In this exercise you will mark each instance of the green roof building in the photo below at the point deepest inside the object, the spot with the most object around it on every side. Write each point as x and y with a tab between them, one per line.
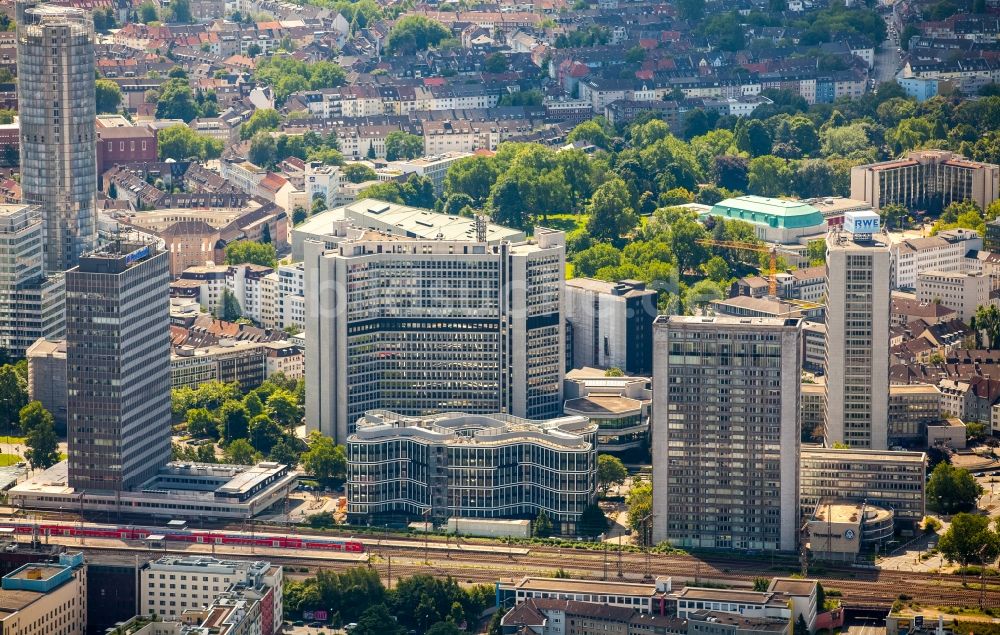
776	220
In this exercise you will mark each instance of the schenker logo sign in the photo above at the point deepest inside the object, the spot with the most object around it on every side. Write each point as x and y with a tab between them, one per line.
862	222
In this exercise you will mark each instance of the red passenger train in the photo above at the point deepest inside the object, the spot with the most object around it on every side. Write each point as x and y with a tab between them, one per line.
185	535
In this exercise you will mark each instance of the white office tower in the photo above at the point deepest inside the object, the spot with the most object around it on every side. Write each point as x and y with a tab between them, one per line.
726	424
420	326
857	333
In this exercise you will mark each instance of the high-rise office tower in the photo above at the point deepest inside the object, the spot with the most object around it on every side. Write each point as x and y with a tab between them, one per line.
422	326
118	366
31	303
726	432
56	105
857	338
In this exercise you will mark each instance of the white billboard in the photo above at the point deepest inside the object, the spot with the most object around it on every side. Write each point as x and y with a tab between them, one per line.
862	222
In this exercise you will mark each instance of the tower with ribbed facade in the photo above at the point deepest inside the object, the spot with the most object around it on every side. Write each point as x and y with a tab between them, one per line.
56	105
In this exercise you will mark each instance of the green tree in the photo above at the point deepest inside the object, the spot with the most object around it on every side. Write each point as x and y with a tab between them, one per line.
415	33
234	421
769	176
445	628
13	395
229	307
358	173
180	11
716	269
610	472
816	251
754	138
702	293
253	404
376	620
262	120
181	143
496	63
285	452
403	145
593	522
611	217
324	460
43	446
543	525
264	433
202	423
240	452
594	131
801	628
176	101
589	261
299	215
761	584
284	408
639	503
893	215
263	151
108	95
473	176
952	489
206	453
247	252
147	12
33	415
969	540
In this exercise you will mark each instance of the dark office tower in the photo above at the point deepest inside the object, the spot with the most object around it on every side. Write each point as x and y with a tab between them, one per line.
118	366
56	104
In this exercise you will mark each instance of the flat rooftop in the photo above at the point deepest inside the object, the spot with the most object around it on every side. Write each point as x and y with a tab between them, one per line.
603	405
413	222
855	454
560	585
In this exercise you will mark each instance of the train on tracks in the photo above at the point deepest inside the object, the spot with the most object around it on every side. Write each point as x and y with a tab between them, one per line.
228	538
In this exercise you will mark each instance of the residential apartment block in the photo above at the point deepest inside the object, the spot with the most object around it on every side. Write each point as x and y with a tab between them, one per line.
177	588
964	292
945	251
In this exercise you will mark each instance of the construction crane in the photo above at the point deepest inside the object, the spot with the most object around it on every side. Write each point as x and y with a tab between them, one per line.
772	278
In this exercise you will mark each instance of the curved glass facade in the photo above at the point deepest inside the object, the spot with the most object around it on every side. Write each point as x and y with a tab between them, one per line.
56	105
469	466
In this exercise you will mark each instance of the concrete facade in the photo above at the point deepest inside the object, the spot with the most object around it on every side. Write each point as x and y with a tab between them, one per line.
964	292
857	340
612	324
725	438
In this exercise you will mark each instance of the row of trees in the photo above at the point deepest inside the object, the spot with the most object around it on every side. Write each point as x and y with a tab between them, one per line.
421	602
260	423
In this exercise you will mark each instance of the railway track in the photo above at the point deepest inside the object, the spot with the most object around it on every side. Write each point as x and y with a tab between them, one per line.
874	589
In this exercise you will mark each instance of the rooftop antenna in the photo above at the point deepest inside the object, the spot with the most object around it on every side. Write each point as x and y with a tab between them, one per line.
480	228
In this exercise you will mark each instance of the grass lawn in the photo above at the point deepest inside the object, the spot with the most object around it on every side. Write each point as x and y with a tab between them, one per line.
563	222
6	438
6	460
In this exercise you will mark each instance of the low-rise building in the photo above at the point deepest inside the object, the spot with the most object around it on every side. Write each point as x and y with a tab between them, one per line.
45	598
893	480
945	251
47	378
641	596
774	220
175	587
964	292
841	530
912	408
230	360
395	466
705	622
618	405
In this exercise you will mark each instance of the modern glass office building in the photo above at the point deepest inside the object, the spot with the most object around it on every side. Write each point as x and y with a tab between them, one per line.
471	466
57	108
422	326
